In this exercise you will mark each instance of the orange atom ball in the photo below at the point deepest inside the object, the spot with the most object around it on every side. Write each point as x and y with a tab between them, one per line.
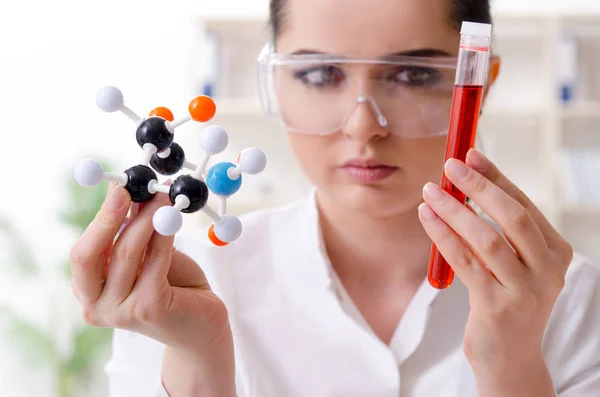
163	112
202	108
213	238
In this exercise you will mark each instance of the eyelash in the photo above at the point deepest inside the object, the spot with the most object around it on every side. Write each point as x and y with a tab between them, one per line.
434	76
432	80
302	75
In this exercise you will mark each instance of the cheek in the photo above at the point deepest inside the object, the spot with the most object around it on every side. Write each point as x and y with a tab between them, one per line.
313	154
428	158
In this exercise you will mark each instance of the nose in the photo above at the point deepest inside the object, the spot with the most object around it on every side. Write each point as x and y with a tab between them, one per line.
366	121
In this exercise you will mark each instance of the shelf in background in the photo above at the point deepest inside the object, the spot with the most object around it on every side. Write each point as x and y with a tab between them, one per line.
512	26
247	29
506	24
581	209
584	26
583	110
514	111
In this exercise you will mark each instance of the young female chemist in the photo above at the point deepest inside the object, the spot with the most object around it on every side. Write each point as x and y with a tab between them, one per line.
329	297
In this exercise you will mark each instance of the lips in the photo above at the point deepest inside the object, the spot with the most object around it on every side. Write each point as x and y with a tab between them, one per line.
366	163
368	171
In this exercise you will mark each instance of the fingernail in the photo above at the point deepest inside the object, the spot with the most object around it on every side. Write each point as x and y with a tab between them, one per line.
477	160
426	212
456	169
433	192
117	198
111	187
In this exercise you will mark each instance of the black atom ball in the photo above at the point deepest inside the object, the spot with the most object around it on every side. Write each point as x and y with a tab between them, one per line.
194	189
170	165
154	130
139	177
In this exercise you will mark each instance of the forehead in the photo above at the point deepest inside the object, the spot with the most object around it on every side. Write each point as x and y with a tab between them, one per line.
367	27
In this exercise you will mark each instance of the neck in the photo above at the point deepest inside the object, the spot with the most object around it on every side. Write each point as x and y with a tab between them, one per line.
379	251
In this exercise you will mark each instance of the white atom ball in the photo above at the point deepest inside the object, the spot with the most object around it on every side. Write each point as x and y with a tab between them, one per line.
88	172
252	161
228	229
214	139
167	220
109	99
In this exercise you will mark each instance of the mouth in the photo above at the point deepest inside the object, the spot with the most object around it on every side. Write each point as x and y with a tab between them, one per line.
368	171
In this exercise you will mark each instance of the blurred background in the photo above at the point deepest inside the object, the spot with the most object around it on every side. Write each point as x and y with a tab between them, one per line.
541	124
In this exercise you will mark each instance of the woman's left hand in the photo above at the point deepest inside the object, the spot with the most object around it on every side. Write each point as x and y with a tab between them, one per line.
513	285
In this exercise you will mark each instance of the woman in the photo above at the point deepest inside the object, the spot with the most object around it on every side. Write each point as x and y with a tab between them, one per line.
329	297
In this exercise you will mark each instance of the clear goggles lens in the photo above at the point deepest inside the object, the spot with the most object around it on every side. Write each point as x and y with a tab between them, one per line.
317	94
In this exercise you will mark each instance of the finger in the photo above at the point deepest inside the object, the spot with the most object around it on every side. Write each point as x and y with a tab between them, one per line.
486	168
470	207
135	208
87	259
111	187
156	262
485	242
108	252
516	222
129	249
133	211
106	258
459	256
185	272
75	290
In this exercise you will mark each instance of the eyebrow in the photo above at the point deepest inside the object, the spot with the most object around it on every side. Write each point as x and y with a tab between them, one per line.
422	52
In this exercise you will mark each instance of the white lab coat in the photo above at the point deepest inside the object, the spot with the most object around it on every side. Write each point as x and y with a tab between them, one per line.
297	333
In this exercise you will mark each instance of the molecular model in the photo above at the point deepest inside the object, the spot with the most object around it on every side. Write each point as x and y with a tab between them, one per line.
188	193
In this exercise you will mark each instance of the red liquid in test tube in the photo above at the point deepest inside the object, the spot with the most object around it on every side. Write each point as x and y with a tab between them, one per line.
471	75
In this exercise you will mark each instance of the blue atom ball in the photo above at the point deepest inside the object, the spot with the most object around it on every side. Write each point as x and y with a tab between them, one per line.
219	182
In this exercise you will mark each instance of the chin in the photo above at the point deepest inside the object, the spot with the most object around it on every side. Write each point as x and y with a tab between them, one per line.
379	200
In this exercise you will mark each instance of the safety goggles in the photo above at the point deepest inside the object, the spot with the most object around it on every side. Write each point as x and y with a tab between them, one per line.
317	93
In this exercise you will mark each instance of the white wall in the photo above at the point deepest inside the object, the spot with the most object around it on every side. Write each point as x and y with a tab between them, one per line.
51	68
51	65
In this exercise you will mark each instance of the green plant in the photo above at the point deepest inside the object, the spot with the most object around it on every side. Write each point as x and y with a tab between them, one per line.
37	343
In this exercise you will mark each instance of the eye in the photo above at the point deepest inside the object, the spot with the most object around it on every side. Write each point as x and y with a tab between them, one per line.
417	76
320	76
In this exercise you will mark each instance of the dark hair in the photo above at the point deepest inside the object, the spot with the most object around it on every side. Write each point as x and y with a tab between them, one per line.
460	10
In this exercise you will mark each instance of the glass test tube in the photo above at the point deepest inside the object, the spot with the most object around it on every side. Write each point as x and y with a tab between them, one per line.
471	76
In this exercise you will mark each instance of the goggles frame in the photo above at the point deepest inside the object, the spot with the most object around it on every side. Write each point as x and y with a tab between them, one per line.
268	59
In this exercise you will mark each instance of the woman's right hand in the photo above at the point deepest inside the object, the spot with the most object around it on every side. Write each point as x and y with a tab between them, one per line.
136	280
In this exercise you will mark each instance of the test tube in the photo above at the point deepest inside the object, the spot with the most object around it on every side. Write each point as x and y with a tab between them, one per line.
471	76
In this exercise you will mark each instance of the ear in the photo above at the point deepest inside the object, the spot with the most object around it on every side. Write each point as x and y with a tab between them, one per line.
494	71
